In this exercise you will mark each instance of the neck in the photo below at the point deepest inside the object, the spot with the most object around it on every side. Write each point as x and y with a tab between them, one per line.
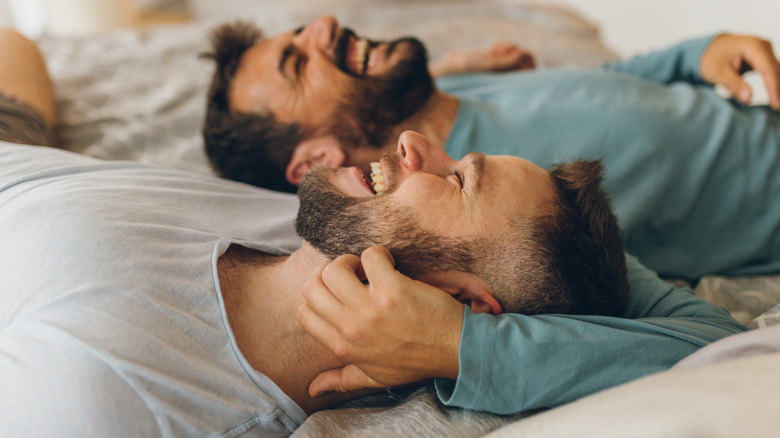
262	294
434	120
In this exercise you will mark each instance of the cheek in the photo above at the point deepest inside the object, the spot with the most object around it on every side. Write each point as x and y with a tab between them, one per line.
436	210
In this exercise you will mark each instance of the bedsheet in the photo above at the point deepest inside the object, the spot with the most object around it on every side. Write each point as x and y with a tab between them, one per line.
139	95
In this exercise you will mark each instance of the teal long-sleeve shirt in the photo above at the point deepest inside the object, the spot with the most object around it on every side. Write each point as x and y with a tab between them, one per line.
694	178
512	363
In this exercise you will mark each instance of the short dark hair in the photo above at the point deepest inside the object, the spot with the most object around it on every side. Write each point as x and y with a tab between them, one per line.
570	260
251	148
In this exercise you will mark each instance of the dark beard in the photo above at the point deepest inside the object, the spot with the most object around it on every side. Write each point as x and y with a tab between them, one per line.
331	221
337	224
376	105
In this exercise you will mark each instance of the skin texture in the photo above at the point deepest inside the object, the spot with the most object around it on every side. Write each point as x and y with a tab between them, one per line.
318	86
730	55
722	63
377	295
23	74
369	325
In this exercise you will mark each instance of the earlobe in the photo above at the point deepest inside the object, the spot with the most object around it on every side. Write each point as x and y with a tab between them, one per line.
295	170
466	288
309	153
486	304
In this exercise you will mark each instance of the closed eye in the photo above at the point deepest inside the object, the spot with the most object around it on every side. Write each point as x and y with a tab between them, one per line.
291	53
300	60
459	176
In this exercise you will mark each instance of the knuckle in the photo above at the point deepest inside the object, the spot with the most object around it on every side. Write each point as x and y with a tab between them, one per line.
352	333
386	303
329	272
341	351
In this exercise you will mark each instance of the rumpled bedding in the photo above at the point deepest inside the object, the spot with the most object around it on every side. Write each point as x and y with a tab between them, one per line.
139	95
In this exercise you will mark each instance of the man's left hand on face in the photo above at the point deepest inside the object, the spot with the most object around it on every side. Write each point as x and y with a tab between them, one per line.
392	330
731	55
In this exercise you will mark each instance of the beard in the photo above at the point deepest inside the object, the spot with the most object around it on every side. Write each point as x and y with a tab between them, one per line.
376	105
335	224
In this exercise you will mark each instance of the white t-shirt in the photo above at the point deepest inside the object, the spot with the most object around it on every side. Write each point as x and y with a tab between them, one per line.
111	317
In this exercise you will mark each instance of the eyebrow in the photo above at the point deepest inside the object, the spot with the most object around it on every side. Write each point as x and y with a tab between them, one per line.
477	161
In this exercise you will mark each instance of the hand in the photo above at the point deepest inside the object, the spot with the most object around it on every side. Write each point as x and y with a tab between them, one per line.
500	57
729	56
393	330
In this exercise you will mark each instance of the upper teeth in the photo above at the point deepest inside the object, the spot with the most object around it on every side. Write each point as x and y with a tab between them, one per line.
377	177
361	48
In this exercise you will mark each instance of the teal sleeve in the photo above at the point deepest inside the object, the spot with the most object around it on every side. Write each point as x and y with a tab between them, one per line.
512	363
677	63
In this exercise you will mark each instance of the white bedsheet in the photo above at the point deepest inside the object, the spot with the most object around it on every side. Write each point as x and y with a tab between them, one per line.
139	95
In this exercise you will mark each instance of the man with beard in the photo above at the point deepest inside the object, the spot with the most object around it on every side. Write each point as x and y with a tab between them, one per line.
152	302
693	177
231	135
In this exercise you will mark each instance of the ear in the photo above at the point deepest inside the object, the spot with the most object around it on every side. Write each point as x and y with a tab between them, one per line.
466	288
309	153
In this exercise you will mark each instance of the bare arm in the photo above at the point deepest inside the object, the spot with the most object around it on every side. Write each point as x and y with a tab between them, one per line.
499	57
23	74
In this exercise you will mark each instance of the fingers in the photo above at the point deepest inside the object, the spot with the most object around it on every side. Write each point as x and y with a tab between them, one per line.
342	278
725	60
379	265
349	378
318	327
733	82
761	57
335	298
501	56
509	56
322	308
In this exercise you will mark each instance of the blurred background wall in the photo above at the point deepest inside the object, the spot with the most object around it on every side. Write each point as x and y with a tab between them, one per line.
628	26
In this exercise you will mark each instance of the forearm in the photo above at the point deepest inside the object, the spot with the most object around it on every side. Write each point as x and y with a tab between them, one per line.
677	63
513	363
516	363
23	74
498	58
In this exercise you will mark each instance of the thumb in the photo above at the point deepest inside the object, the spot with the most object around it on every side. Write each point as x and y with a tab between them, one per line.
733	82
349	378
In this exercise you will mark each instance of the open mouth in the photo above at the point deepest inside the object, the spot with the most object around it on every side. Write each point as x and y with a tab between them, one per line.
358	54
354	182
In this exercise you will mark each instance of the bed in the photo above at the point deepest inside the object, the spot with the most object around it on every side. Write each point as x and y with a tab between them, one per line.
139	94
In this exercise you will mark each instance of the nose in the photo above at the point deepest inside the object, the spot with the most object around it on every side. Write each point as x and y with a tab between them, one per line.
319	33
419	154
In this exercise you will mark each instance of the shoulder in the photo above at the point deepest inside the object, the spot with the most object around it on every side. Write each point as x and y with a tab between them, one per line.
55	386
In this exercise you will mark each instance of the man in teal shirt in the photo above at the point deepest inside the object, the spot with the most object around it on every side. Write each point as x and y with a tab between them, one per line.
397	331
509	363
291	87
694	178
691	175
